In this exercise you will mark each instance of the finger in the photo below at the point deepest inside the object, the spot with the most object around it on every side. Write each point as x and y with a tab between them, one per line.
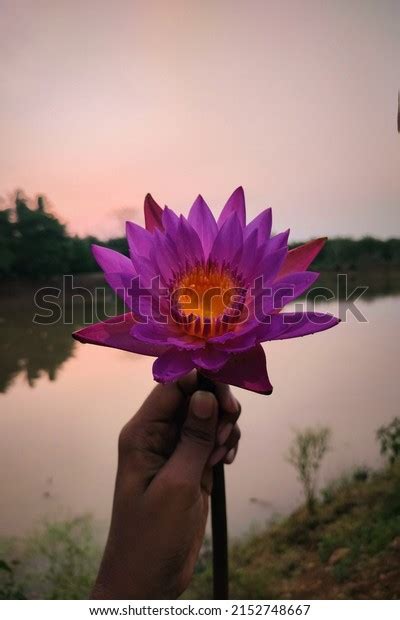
231	455
233	438
220	452
230	412
207	479
188	461
166	399
217	455
224	430
226	400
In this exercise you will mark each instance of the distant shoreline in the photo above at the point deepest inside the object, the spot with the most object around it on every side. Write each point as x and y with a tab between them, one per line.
379	279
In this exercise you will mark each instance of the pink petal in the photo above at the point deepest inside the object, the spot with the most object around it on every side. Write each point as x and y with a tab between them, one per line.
300	258
116	268
163	255
203	221
262	224
242	341
294	324
170	221
246	370
152	214
249	256
210	358
193	249
278	241
166	334
269	265
285	290
111	261
228	241
115	333
145	299
235	204
172	365
140	240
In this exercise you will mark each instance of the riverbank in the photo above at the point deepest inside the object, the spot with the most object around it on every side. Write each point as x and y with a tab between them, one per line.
350	548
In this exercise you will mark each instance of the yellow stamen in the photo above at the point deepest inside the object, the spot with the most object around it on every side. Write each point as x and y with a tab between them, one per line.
199	296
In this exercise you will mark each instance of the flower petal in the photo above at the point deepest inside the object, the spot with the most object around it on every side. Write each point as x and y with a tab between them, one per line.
172	365
210	358
262	224
228	241
309	323
203	222
246	370
145	297
115	333
140	240
269	265
152	214
116	267
283	291
111	261
193	249
249	256
166	334
163	255
241	341
170	221
300	258
294	324
278	241
235	204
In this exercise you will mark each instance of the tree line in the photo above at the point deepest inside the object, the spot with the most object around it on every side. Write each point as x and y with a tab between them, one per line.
35	244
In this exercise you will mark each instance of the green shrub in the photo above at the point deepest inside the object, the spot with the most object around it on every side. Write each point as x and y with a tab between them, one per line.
389	440
306	453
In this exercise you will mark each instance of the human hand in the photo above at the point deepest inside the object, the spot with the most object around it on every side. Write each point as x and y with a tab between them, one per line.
164	479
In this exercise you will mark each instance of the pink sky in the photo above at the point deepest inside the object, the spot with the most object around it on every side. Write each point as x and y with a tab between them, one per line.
295	100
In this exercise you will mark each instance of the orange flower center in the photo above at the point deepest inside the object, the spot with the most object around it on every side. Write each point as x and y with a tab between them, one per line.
206	299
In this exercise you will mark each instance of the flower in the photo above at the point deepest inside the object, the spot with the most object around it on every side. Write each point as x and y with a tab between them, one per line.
205	294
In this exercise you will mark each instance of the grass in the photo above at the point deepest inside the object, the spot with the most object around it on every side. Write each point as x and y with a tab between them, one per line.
58	561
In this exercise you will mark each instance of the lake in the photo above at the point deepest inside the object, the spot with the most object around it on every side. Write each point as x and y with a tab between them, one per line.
63	403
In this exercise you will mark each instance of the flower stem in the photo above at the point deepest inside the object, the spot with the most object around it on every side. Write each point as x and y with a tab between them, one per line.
218	519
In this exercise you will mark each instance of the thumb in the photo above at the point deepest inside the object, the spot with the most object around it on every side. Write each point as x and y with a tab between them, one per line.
197	439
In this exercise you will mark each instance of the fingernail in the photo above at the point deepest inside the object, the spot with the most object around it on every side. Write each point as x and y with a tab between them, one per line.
224	433
202	404
217	456
230	456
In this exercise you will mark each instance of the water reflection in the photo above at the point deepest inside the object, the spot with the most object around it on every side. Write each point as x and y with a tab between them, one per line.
33	350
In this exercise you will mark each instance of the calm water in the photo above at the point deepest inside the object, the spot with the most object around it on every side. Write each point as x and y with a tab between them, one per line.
62	406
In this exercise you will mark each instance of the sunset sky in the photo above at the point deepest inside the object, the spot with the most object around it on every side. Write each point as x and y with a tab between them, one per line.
104	101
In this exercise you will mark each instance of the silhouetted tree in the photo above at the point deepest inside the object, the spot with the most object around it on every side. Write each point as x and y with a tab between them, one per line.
42	245
7	243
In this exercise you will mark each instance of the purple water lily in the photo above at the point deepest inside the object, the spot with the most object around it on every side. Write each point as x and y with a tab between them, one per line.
205	294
